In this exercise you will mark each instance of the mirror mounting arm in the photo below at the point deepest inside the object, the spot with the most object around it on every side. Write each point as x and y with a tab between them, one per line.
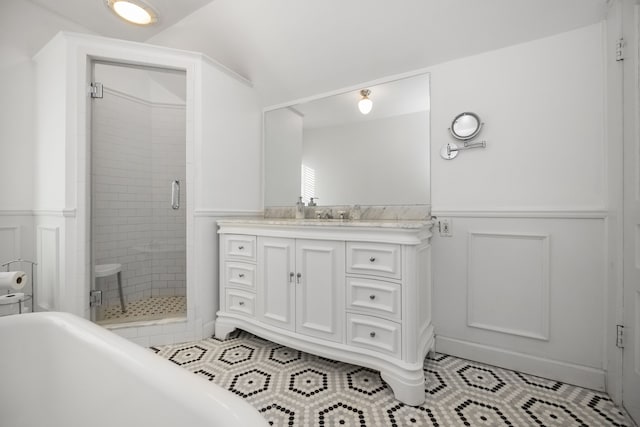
468	145
450	151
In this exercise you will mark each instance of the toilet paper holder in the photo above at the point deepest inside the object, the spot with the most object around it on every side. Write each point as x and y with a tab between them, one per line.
27	297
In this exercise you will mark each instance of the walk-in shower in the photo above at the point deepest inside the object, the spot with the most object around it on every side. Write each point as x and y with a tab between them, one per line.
138	199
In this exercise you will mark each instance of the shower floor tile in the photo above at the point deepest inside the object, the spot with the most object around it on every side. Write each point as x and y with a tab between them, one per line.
147	309
292	388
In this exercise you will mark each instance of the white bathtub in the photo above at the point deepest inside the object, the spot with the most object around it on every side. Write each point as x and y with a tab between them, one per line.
59	370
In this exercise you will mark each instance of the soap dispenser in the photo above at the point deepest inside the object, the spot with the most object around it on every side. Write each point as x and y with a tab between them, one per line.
299	208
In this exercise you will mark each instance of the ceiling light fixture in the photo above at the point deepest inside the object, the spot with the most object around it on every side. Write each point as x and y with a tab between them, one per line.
365	105
133	11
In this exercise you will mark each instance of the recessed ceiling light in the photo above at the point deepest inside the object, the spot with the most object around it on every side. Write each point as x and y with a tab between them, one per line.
133	11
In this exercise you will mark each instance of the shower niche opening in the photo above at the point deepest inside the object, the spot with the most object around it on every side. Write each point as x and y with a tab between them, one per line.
138	194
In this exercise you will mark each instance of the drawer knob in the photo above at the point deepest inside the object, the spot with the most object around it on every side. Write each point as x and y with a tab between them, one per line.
241	275
372	334
241	303
240	248
372	259
372	297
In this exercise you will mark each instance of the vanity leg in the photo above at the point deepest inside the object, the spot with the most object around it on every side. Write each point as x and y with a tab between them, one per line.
407	387
223	329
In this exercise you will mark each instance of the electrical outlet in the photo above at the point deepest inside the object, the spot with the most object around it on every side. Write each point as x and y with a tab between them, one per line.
444	225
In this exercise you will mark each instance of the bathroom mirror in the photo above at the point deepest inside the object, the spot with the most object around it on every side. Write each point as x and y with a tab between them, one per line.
327	149
465	126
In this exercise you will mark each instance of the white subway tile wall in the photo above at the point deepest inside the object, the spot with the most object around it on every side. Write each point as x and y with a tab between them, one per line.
138	149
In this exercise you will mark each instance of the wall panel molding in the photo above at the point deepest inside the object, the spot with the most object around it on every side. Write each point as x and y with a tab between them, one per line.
67	212
227	213
10	239
48	250
523	213
16	212
508	283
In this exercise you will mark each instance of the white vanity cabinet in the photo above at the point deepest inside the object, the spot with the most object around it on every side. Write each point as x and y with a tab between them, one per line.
238	274
359	292
300	286
374	296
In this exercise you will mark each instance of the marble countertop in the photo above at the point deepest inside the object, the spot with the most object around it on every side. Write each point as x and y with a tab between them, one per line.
385	223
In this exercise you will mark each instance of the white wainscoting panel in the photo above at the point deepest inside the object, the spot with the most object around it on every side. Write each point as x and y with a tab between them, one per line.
508	283
636	330
9	243
491	279
48	284
637	237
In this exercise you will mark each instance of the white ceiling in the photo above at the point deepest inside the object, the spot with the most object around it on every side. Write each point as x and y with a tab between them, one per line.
95	16
291	49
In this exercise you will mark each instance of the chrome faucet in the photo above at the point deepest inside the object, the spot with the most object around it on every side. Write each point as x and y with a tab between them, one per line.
312	201
324	214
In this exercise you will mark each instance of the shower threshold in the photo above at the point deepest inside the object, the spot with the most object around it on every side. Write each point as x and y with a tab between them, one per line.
150	309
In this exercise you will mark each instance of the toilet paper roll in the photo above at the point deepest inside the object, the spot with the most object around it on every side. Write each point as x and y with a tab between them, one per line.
11	298
14	280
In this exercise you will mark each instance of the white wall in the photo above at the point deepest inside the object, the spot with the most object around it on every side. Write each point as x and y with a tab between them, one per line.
543	107
522	281
24	28
231	144
375	157
283	130
50	162
228	171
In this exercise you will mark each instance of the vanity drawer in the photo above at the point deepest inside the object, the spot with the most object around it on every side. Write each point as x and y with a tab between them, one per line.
374	334
374	258
240	302
240	246
240	274
374	297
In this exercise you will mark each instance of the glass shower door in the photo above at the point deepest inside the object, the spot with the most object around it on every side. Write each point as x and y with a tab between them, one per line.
138	167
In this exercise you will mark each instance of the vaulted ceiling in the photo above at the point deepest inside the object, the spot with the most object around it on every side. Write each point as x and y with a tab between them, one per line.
296	48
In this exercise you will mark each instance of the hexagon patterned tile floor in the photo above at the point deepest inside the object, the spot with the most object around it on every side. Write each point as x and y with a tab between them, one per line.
293	388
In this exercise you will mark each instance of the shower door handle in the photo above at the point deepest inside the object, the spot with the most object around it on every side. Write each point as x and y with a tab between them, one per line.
175	194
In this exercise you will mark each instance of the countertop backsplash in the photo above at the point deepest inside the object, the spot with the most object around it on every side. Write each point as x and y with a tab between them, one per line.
354	212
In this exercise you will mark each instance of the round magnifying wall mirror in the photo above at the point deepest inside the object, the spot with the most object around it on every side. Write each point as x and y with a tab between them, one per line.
465	126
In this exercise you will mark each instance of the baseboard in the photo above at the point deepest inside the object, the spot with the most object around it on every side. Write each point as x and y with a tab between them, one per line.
569	373
208	329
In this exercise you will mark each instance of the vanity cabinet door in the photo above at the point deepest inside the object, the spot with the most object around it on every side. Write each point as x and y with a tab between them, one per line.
276	282
320	288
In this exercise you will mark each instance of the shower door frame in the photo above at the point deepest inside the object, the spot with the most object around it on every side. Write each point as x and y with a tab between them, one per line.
80	71
90	111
